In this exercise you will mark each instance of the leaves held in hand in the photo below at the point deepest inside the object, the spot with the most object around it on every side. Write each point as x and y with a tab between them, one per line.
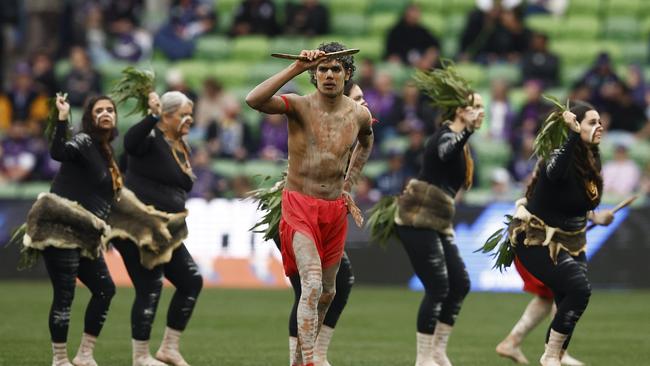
500	241
445	86
381	220
554	130
136	84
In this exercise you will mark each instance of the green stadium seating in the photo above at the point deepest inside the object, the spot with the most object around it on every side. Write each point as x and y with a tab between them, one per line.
635	51
338	7
374	168
263	70
508	72
225	21
434	22
454	25
381	23
622	28
213	48
371	47
431	6
394	144
62	68
399	73
352	24
547	24
263	168
380	6
580	27
517	98
287	44
631	8
459	6
585	7
251	48
227	168
474	73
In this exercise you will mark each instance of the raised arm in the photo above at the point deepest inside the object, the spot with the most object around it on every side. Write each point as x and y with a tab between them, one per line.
263	98
451	143
138	139
62	149
558	165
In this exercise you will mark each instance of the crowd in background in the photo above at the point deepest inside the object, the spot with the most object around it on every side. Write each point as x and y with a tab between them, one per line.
36	34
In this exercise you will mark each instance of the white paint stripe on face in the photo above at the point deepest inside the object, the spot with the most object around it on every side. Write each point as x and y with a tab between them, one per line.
102	115
593	133
184	120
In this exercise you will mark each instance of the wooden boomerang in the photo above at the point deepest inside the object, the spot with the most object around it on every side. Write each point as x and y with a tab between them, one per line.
626	202
287	56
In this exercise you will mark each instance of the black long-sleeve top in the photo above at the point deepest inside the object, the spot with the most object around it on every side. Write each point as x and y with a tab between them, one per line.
84	176
444	162
559	196
152	173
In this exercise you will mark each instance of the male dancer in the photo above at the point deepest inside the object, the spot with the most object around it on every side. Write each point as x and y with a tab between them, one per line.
323	126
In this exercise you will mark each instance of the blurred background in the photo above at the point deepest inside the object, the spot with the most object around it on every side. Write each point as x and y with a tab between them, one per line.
511	51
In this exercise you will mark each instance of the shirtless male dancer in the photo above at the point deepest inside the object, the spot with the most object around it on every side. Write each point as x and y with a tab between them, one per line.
323	127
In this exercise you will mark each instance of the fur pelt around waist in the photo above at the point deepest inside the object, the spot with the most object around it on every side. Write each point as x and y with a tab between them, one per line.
423	205
538	233
155	233
61	223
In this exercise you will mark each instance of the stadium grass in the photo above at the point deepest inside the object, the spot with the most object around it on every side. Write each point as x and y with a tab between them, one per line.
249	328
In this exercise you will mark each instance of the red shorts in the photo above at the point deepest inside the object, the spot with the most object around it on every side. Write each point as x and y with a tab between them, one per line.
325	222
531	283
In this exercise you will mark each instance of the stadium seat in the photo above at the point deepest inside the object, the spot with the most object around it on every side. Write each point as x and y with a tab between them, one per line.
631	8
400	74
227	5
394	144
504	71
227	168
231	73
374	168
381	6
459	6
634	51
434	22
547	24
584	7
381	23
251	48
286	44
213	48
580	28
352	24
431	6
263	70
474	73
371	47
622	28
338	7
263	168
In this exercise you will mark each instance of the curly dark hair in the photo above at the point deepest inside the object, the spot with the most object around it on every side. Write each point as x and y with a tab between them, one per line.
346	61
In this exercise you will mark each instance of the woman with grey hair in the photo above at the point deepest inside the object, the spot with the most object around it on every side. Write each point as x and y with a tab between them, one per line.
149	224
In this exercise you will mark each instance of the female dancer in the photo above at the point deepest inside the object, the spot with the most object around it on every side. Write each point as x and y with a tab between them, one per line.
426	208
67	225
151	238
548	230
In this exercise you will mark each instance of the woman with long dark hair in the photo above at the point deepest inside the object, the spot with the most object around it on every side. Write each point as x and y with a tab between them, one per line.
548	230
149	223
67	226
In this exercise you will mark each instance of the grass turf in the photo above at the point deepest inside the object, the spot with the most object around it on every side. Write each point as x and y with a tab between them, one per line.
249	327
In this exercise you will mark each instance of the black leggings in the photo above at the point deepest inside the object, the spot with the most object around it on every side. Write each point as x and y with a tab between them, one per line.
181	271
438	265
344	282
568	280
64	267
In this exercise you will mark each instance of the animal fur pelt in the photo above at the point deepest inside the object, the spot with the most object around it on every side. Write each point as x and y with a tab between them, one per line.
423	205
155	233
61	223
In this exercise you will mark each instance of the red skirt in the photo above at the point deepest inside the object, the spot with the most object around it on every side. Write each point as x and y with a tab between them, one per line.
324	222
531	283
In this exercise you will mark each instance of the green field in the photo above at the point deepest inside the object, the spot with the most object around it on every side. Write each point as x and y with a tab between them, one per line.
239	327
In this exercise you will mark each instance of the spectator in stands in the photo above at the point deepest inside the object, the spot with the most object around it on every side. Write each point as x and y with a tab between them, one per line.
365	195
22	102
555	7
273	137
637	85
189	20
392	181
500	185
412	112
597	77
621	175
522	164
309	18
532	114
367	74
43	73
255	17
42	21
500	114
18	153
208	184
414	152
210	104
644	184
409	42
494	32
620	112
83	81
232	134
176	82
241	186
9	19
539	63
382	100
